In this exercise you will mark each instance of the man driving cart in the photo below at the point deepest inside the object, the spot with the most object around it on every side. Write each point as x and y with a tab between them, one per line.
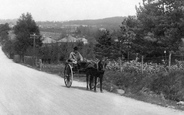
76	58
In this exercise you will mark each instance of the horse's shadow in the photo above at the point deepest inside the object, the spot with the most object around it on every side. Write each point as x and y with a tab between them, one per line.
78	87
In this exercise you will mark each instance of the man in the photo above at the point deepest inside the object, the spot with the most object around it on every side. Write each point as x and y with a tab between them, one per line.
75	56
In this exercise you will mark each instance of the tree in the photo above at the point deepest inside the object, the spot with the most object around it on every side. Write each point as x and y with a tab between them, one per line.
103	47
4	28
23	29
88	51
161	25
63	34
124	37
8	47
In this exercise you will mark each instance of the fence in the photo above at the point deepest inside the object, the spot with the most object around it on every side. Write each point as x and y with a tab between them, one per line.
165	61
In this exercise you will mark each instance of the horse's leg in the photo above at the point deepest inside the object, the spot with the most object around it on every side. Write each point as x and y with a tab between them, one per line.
91	81
101	80
95	83
87	82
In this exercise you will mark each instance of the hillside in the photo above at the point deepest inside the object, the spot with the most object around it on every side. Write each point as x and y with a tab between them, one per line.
113	21
109	23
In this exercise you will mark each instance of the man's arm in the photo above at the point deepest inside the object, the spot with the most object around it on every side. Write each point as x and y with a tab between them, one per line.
72	57
81	58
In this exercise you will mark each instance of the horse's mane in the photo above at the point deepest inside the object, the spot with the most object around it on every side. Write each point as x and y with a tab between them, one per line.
97	64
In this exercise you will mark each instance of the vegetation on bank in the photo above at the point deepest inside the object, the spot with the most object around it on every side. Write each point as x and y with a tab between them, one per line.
155	85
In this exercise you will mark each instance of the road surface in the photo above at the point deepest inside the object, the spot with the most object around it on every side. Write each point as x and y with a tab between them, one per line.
25	91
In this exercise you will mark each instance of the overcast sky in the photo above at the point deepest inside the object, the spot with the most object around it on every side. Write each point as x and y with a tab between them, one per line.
62	10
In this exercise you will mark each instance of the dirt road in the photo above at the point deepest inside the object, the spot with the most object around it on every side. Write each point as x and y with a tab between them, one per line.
25	91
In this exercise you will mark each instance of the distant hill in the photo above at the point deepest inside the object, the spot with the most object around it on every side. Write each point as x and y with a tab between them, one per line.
111	22
10	21
98	22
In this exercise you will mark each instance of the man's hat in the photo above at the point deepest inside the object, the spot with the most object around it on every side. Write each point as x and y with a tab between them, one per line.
75	48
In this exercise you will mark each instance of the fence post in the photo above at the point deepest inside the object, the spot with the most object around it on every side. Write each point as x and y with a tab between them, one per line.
142	62
120	61
170	53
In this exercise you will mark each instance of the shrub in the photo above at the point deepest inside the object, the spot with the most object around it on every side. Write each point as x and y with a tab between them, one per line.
133	81
29	60
16	58
170	84
167	81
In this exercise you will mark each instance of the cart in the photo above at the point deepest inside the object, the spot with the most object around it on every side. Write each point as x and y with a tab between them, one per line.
71	69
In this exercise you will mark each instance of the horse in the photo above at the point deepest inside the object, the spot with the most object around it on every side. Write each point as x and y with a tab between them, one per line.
95	71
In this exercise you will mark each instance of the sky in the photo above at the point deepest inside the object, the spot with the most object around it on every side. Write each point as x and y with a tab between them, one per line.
63	10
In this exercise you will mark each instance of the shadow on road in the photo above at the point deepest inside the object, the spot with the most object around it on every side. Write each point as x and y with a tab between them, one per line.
77	87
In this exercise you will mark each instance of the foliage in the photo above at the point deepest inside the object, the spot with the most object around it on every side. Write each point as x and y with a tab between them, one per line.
86	31
168	81
5	41
103	47
171	85
87	51
59	52
4	28
136	67
8	48
161	25
23	29
126	36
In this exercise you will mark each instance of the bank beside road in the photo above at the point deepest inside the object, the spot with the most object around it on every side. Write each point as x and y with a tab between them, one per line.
26	91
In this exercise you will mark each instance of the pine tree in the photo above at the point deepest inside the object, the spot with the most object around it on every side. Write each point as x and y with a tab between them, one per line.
161	25
103	47
4	28
23	29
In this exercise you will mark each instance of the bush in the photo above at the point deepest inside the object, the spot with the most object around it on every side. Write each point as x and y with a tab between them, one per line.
166	81
29	60
170	84
16	58
133	81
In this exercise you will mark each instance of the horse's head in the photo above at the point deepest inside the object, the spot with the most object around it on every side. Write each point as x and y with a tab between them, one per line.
101	65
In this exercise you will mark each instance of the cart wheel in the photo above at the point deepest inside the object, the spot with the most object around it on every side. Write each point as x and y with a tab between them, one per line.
68	75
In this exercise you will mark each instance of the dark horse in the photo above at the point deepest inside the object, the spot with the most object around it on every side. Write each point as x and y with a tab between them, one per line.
95	71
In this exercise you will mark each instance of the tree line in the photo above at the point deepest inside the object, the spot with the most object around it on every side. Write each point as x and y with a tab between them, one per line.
157	27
